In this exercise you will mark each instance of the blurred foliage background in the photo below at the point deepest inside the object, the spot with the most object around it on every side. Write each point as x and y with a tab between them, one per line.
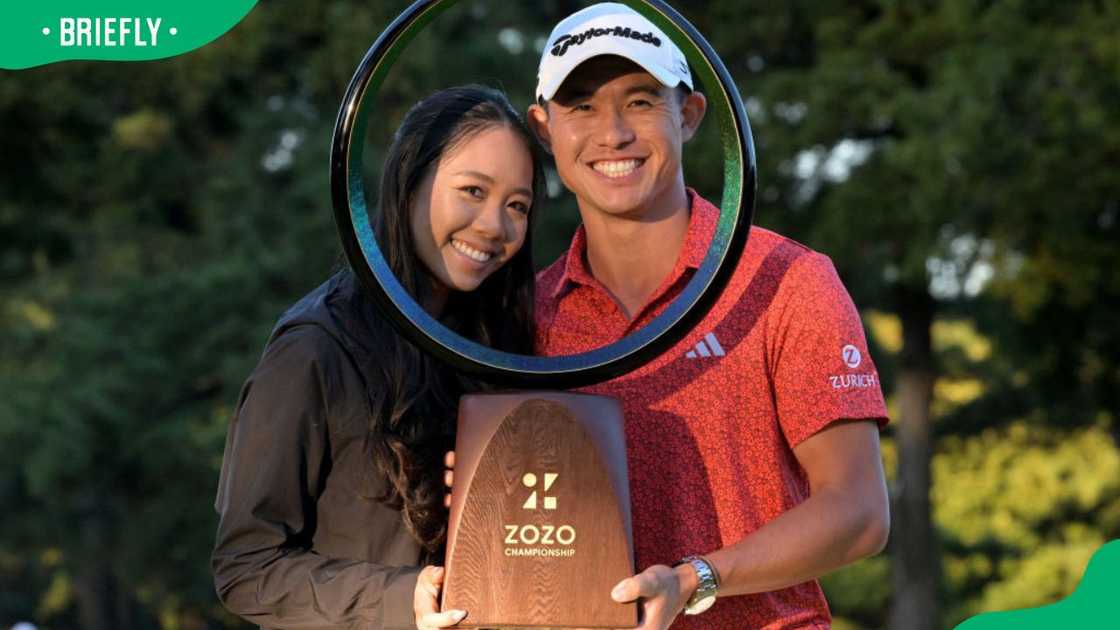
958	159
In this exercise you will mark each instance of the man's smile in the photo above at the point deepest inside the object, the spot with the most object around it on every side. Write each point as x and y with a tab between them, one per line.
615	169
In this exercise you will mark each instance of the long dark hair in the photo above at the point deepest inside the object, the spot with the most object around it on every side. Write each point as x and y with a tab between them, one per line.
413	421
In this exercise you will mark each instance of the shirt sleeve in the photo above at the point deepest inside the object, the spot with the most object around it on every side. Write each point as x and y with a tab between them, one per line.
276	459
821	369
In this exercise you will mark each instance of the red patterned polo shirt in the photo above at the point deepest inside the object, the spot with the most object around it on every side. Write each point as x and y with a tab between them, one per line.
711	423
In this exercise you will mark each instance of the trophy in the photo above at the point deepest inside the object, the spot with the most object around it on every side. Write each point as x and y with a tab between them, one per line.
539	528
540	513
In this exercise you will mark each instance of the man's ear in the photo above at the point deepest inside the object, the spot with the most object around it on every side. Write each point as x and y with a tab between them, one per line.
693	108
537	118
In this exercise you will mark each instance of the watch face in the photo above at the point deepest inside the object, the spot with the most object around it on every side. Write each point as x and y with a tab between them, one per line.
701	605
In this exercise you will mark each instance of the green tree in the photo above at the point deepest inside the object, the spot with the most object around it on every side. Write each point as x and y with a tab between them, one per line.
952	157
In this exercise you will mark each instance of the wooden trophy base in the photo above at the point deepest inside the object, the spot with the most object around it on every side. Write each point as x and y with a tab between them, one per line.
540	512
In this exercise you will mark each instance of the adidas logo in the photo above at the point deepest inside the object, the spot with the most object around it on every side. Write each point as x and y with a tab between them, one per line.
708	346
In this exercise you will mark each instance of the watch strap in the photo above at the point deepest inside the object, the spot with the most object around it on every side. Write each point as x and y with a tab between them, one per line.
707	585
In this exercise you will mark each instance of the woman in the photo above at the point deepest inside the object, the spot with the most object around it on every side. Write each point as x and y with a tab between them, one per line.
331	493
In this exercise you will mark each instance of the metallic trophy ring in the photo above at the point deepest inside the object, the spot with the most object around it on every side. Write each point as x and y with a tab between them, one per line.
515	370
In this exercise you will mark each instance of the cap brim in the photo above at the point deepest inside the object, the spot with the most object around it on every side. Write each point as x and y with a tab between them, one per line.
662	74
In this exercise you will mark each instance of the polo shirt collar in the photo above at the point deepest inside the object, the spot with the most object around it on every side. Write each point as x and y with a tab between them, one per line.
702	220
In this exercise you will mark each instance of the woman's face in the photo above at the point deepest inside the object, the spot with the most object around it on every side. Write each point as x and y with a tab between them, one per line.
471	212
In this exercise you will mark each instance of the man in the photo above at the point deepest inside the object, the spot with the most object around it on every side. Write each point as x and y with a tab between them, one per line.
753	445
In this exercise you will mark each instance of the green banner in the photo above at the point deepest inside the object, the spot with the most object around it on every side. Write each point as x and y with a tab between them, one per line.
37	33
1089	606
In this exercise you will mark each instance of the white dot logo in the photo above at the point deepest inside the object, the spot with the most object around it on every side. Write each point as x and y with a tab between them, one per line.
529	480
851	356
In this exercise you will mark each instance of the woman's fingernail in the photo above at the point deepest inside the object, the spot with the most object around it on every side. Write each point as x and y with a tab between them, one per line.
616	592
458	615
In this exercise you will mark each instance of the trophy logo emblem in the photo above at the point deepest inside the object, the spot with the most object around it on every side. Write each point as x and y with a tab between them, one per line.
530	481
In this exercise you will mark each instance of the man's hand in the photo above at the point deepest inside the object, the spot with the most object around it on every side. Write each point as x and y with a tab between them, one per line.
425	601
663	591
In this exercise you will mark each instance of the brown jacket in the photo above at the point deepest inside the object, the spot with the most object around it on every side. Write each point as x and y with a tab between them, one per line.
300	542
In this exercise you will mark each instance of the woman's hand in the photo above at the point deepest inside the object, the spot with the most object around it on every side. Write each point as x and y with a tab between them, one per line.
448	476
425	601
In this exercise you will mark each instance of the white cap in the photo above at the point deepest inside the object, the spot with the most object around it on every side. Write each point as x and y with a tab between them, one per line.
609	28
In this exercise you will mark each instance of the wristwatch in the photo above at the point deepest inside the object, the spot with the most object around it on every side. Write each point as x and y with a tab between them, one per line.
705	594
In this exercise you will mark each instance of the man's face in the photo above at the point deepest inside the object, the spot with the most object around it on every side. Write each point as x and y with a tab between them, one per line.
616	133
